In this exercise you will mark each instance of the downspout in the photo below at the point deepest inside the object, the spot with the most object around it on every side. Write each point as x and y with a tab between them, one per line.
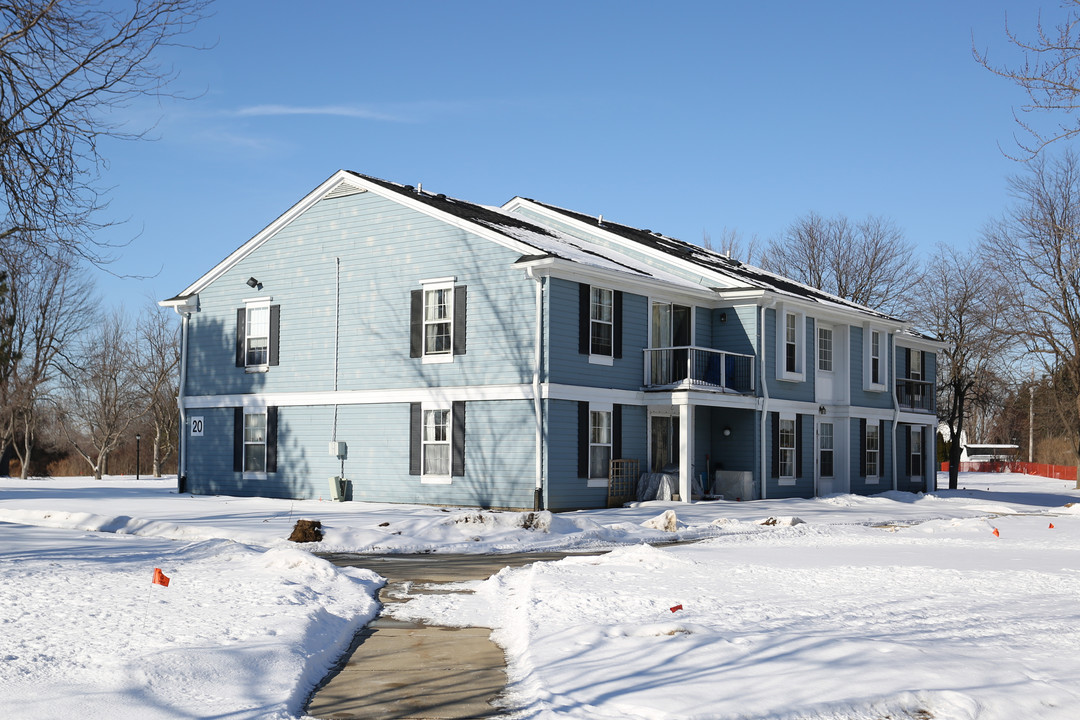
181	478
896	412
539	501
764	400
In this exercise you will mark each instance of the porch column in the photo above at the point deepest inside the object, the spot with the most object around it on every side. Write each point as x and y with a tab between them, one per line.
686	451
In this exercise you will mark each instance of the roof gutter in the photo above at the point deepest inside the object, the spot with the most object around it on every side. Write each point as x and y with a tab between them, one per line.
184	306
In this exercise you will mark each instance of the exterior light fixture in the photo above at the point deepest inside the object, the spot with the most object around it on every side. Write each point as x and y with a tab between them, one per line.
821	410
727	432
252	282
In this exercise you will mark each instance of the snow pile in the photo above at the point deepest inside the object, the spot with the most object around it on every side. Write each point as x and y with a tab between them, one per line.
239	631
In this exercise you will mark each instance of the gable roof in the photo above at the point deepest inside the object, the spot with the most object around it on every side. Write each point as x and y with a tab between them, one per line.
710	261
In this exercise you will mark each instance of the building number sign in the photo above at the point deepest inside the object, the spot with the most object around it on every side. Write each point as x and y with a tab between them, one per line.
196	427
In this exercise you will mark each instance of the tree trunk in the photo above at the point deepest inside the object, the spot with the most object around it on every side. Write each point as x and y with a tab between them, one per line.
157	450
954	447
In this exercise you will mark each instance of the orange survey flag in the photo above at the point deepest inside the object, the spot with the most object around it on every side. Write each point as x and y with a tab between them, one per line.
160	578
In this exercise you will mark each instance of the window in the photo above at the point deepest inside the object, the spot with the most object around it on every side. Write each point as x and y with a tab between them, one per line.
790	345
436	442
916	452
601	321
787	448
825	449
825	349
599	443
255	442
873	450
257	340
257	325
875	357
875	362
437	331
915	364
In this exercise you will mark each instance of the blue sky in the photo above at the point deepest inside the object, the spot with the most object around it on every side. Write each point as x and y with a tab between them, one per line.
682	117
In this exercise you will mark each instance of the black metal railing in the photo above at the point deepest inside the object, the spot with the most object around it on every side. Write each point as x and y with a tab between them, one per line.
917	395
700	368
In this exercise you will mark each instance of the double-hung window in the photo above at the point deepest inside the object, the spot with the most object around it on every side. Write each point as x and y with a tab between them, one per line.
875	357
825	349
916	452
875	361
255	441
787	448
601	322
825	449
436	443
437	331
257	326
790	344
599	444
873	451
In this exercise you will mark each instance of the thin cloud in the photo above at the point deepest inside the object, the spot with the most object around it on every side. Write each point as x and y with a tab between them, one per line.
331	110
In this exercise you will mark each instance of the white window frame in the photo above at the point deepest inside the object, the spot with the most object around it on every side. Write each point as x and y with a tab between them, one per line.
799	319
831	449
791	450
917	437
256	304
430	286
914	371
869	331
606	409
251	412
594	357
428	410
822	355
873	427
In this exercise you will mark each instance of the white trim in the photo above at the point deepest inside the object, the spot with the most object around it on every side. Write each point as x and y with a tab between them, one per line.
449	280
601	407
783	310
792	479
433	479
601	359
382	396
255	474
264	299
883	358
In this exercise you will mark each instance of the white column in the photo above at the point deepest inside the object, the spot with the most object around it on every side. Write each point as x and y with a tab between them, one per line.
686	451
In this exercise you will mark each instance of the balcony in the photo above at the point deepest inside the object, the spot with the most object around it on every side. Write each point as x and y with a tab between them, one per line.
698	369
917	395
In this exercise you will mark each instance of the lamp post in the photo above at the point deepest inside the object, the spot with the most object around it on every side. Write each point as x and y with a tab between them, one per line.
137	437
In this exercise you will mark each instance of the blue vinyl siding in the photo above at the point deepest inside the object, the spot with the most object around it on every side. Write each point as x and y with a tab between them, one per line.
499	455
737	332
565	365
784	389
384	250
859	396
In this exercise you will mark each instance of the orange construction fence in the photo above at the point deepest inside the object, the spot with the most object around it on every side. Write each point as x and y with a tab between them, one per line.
1058	472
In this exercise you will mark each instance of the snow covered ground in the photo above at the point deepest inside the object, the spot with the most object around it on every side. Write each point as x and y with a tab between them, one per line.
895	606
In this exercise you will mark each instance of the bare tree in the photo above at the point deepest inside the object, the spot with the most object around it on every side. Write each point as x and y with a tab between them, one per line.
963	305
66	66
1036	249
101	396
1049	74
158	363
47	303
869	262
733	244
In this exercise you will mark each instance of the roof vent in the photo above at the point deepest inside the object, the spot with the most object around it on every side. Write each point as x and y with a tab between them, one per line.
441	196
419	188
343	189
600	220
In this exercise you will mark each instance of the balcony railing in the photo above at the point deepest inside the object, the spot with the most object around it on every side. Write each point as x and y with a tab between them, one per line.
916	395
699	368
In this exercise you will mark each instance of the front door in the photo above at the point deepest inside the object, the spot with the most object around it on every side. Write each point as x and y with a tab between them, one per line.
670	329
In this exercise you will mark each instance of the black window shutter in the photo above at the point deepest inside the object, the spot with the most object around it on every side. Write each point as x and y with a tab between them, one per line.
910	458
926	438
798	445
616	339
457	440
416	326
271	439
275	332
238	439
241	332
862	447
584	317
416	426
922	368
583	439
775	445
907	362
460	312
616	432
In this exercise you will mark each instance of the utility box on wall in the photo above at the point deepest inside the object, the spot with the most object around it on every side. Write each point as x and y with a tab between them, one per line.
338	449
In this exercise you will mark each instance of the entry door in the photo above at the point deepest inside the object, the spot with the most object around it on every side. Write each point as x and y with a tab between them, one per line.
670	328
663	441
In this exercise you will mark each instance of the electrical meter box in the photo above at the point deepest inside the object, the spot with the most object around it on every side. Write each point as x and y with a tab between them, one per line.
338	450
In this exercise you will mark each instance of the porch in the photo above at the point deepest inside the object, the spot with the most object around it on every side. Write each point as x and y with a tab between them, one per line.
689	367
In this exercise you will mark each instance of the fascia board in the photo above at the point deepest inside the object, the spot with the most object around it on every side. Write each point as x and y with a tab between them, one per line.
721	278
317	194
569	270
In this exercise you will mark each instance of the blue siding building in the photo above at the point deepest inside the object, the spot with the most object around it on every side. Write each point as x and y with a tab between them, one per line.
430	350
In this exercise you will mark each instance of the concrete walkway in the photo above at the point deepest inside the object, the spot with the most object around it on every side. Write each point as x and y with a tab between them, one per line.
401	670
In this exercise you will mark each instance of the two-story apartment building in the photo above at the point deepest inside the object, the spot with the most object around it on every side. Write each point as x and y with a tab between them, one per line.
436	351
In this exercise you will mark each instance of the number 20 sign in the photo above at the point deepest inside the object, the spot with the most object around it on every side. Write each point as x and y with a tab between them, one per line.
196	427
